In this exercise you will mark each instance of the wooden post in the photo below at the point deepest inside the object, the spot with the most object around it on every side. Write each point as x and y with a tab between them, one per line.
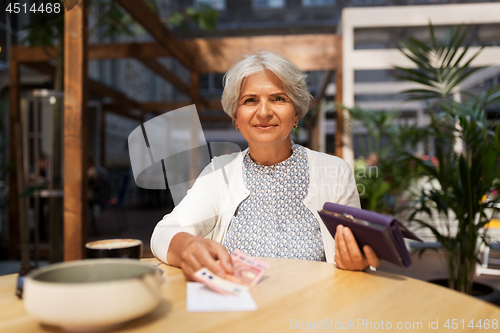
14	110
338	98
75	131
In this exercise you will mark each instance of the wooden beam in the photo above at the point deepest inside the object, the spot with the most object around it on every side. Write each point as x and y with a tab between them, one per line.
143	14
339	132
14	111
75	131
217	55
308	52
26	54
145	50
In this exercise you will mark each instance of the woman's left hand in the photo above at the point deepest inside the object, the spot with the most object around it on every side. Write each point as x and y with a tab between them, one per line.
348	255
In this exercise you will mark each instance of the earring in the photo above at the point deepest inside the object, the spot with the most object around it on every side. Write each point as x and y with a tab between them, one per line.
237	129
296	125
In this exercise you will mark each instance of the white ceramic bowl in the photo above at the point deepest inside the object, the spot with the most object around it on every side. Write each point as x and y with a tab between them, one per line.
90	295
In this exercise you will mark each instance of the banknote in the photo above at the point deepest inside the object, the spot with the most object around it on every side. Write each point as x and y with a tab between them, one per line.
219	284
246	269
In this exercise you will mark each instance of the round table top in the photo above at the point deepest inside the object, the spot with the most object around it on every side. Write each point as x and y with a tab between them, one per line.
296	294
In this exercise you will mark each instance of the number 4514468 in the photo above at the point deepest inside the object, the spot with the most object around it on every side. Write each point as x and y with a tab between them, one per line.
486	324
17	8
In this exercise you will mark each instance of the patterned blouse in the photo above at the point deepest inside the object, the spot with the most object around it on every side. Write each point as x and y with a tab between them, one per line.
273	221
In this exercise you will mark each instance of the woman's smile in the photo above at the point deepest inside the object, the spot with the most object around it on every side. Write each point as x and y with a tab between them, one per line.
265	127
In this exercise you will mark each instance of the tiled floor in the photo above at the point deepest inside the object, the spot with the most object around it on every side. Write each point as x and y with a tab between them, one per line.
141	223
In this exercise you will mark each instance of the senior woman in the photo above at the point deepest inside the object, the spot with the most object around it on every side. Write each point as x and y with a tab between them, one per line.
276	187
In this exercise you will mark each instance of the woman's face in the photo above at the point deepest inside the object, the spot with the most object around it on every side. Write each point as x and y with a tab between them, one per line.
265	114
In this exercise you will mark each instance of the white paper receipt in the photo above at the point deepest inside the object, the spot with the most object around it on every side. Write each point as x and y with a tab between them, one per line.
202	299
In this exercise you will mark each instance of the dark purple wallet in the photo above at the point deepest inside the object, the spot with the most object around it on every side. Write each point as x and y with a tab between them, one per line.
384	234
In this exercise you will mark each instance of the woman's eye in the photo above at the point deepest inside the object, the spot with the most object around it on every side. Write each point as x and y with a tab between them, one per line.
249	100
279	98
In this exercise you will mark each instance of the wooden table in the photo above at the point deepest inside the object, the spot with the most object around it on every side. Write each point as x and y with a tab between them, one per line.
297	294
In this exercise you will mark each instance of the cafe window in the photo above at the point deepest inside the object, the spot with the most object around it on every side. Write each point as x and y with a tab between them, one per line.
215	4
265	4
312	3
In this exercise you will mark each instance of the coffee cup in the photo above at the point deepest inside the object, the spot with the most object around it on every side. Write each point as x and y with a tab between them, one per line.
114	248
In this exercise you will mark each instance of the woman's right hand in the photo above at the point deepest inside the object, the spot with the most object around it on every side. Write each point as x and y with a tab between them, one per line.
192	253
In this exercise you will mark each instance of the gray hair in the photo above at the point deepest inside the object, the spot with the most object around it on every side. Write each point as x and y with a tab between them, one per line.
292	77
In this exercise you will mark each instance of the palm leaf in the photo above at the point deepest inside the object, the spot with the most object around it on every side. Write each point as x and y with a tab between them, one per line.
417	75
448	73
431	33
457	40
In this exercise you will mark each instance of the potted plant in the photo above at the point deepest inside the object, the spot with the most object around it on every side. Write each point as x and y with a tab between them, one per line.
465	175
379	176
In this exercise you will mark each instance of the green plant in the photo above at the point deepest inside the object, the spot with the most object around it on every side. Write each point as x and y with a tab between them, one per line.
441	66
205	17
372	188
379	176
467	150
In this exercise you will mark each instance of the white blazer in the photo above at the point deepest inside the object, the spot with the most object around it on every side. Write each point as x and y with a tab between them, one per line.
208	207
